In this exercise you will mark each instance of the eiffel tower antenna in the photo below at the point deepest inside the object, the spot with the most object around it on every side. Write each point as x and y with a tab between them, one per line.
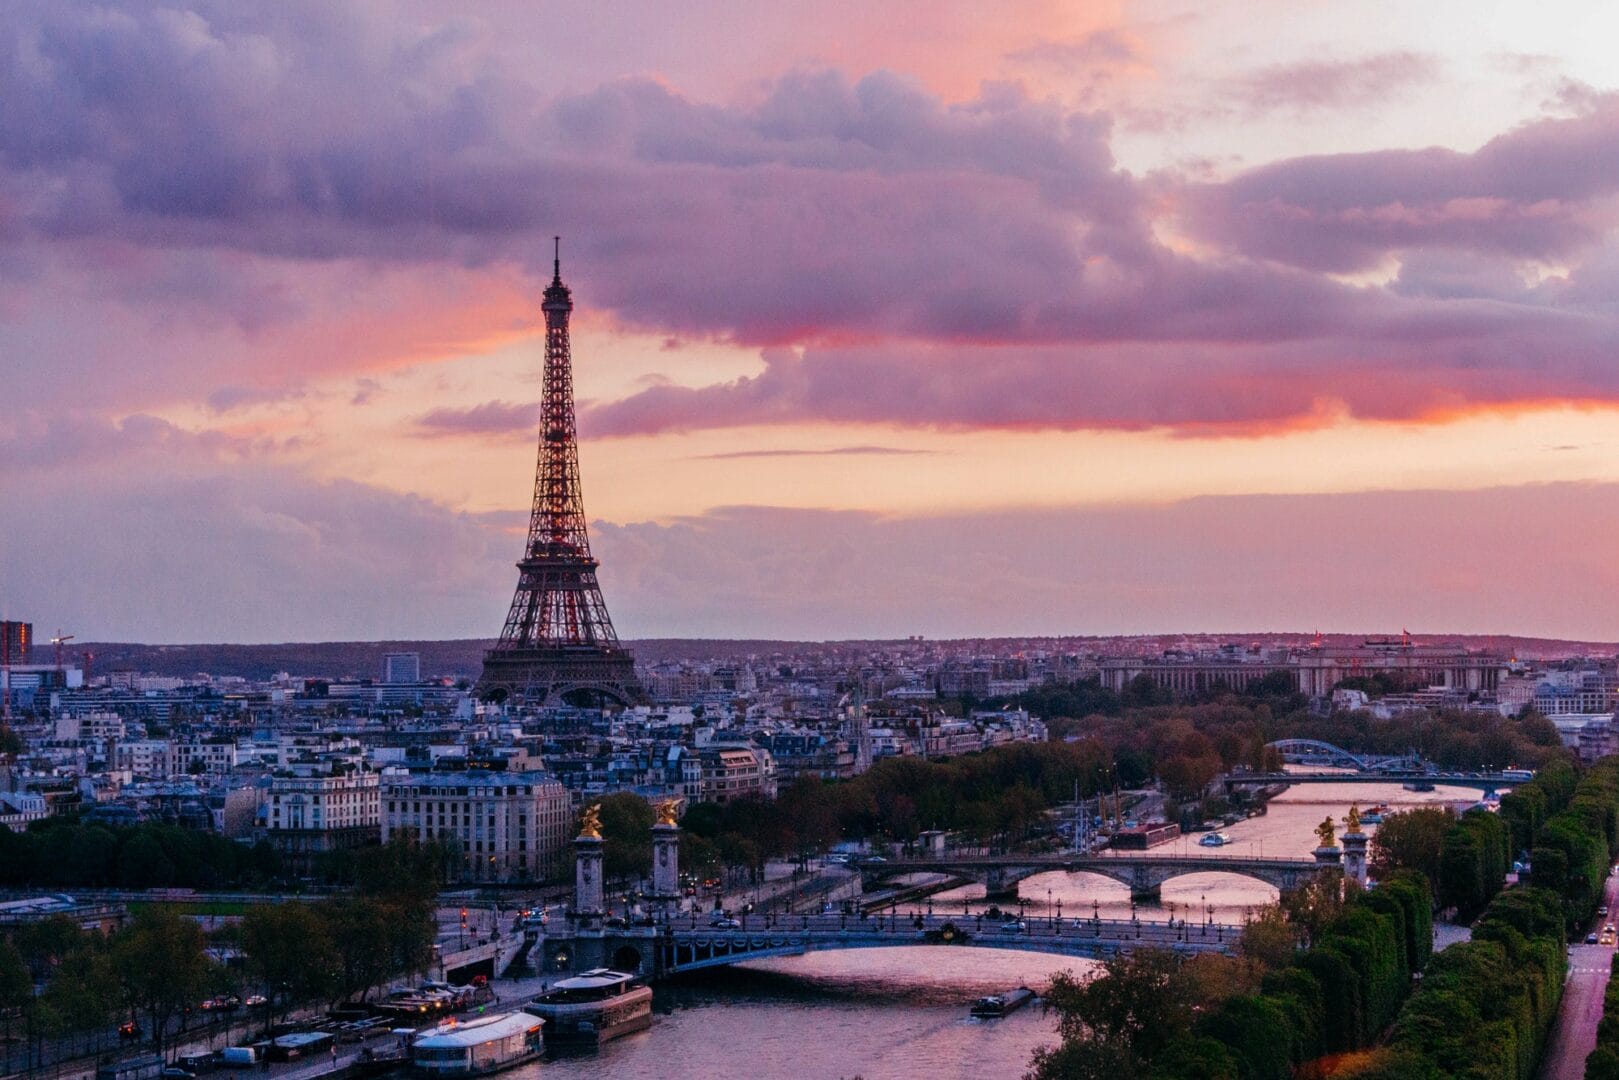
558	644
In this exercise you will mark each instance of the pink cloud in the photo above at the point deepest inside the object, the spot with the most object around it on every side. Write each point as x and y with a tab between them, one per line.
490	418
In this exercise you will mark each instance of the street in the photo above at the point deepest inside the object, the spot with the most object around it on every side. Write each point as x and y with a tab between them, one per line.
1574	1035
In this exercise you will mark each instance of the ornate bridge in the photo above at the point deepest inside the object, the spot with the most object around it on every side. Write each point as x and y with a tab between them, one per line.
1144	873
1315	752
686	943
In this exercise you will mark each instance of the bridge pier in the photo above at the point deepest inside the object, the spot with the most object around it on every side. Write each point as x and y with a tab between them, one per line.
1000	885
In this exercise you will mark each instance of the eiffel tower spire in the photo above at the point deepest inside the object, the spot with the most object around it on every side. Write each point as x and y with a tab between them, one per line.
558	643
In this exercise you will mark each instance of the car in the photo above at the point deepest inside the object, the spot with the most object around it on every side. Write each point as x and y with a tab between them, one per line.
1609	929
254	1000
725	924
1590	939
1012	926
875	858
1602	912
174	1072
129	1031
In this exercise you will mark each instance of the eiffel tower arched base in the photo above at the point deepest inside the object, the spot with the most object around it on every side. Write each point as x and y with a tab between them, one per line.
559	676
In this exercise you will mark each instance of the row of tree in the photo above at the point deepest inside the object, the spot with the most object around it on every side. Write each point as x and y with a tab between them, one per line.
63	853
1485	1006
159	966
1334	997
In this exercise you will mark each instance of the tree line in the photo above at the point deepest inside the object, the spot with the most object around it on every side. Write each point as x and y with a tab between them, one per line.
159	966
1153	1015
65	853
1481	1010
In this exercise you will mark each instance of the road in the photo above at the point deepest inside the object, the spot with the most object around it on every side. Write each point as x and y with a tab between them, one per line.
1574	1035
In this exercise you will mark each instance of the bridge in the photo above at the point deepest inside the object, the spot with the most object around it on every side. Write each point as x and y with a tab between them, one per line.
1485	782
1145	873
1316	752
684	943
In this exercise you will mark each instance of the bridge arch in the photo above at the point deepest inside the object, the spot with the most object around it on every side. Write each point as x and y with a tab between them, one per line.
627	958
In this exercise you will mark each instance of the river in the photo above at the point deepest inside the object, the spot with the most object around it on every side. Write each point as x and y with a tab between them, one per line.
884	1014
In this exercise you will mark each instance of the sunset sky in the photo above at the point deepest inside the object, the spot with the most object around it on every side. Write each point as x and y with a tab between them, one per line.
891	318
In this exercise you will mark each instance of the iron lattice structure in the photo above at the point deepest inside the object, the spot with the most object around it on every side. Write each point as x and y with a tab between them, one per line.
558	643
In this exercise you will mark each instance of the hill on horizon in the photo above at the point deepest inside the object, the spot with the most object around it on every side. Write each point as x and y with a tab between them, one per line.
463	657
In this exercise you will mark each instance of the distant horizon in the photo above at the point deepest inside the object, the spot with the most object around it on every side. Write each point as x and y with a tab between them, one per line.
1417	637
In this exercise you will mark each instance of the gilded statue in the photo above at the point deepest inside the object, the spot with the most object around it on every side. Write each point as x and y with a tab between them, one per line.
590	822
668	811
1327	833
1352	822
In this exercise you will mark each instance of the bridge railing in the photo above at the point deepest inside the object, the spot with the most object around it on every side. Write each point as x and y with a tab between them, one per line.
916	926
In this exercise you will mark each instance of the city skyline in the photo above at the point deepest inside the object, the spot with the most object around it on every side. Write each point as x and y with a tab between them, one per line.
889	322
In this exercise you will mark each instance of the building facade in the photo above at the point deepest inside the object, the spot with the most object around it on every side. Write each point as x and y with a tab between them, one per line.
509	826
309	812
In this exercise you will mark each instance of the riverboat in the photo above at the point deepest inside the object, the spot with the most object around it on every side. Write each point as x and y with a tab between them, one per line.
477	1047
998	1005
1374	815
593	1007
1215	839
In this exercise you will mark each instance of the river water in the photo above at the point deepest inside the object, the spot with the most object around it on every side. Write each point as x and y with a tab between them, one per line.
884	1014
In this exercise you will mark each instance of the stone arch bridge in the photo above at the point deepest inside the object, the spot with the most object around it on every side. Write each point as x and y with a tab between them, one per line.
1144	873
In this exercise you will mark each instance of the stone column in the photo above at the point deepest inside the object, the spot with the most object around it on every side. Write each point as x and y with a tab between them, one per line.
666	865
588	860
1355	842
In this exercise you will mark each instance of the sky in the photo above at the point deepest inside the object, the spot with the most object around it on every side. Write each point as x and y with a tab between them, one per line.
890	318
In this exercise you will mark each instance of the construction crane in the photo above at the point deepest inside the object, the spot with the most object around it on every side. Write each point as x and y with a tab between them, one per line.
59	640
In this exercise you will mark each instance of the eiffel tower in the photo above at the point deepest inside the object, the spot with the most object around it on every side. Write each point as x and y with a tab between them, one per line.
558	645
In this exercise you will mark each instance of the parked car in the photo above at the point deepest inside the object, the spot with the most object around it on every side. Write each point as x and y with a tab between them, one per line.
1590	939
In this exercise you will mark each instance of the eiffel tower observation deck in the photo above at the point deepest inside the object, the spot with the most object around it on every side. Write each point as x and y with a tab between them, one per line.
558	645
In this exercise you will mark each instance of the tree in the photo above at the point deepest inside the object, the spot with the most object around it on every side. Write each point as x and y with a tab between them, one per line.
289	953
1269	940
627	830
1411	840
160	966
16	988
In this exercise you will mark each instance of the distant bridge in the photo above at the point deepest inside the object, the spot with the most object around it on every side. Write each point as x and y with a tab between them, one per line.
684	943
1315	752
1145	872
1485	782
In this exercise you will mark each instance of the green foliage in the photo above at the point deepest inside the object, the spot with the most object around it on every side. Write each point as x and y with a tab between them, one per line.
627	831
160	966
1474	858
62	853
1411	840
1337	996
1484	1007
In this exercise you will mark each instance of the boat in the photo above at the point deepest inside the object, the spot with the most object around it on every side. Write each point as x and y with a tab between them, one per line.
477	1047
1215	839
593	1007
1374	814
998	1005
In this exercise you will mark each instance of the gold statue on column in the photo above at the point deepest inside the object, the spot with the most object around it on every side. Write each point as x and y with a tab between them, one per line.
1352	822
1327	833
668	810
590	822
